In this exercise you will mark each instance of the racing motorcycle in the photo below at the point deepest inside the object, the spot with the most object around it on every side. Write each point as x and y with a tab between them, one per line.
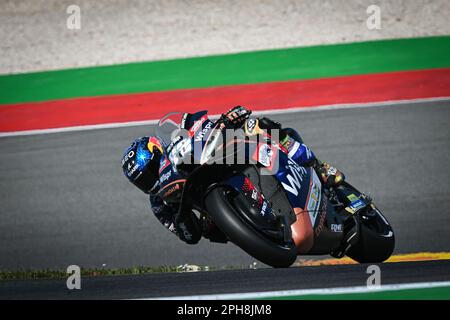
248	191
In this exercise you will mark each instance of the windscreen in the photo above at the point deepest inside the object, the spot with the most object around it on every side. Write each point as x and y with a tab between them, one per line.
169	126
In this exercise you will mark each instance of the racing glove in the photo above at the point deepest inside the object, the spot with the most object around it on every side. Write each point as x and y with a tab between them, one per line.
235	117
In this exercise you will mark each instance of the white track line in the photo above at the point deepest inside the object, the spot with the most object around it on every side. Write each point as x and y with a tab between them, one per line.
78	128
270	111
325	291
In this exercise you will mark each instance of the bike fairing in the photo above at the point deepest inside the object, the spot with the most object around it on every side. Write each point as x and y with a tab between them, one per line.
293	177
309	207
300	205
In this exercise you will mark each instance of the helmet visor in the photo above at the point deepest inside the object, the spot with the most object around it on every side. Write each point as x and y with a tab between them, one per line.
147	178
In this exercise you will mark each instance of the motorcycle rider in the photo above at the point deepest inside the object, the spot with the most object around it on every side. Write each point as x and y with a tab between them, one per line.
143	158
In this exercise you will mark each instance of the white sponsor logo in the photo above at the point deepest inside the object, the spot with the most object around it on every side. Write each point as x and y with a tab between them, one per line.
179	151
263	209
295	178
133	170
200	136
127	157
355	206
165	177
197	124
336	227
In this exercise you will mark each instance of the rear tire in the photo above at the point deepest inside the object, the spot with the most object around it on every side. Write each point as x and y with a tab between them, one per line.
243	235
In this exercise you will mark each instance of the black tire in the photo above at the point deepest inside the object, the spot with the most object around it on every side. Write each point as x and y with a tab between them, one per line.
245	236
374	245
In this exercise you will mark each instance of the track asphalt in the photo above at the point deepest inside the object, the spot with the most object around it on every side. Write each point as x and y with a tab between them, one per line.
65	201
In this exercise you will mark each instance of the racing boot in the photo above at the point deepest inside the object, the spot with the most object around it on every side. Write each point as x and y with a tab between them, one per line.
330	176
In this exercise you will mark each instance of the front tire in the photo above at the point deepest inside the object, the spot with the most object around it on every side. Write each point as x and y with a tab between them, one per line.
376	240
243	235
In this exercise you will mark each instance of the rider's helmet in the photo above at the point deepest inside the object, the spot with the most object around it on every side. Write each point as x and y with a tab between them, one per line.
140	162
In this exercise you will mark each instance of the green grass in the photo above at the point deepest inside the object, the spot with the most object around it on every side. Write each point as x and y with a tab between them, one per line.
99	272
59	274
441	293
231	69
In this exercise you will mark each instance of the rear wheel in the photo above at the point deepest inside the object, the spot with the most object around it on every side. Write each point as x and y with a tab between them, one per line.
376	239
226	217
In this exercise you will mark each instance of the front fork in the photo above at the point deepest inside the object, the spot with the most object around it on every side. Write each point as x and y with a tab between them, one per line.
349	203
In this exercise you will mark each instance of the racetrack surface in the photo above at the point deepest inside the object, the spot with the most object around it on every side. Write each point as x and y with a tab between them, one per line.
165	285
64	199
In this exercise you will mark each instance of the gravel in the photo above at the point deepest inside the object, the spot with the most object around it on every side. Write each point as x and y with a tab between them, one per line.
34	34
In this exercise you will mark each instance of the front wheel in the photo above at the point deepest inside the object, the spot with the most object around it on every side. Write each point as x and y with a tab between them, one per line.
376	239
219	207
